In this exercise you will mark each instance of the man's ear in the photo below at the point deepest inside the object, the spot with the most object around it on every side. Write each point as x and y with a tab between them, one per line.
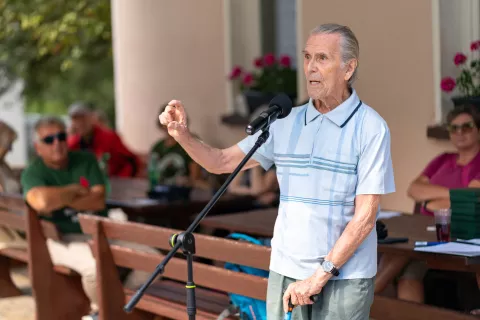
350	68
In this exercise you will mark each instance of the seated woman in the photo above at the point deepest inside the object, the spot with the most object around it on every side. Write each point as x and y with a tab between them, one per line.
173	164
257	183
449	170
9	183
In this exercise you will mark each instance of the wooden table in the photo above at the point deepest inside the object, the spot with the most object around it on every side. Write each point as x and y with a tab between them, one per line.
131	196
261	223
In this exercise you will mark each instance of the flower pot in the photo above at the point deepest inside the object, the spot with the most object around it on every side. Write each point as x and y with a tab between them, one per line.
464	100
255	99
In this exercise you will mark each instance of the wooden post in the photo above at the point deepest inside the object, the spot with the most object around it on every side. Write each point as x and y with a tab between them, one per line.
57	296
7	287
110	290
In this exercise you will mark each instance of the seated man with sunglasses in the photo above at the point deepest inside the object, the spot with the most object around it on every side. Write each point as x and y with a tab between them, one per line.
59	184
449	170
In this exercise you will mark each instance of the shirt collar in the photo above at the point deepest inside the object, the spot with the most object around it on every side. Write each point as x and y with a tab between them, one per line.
340	115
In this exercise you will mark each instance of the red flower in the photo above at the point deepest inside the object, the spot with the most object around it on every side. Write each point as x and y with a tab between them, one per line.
285	61
475	45
269	59
459	59
447	84
236	72
258	62
248	79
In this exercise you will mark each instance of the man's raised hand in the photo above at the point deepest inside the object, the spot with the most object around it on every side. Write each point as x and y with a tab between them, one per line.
175	119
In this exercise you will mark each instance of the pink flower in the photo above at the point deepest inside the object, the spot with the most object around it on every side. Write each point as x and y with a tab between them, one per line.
269	59
475	45
459	59
285	61
236	72
248	79
258	62
447	84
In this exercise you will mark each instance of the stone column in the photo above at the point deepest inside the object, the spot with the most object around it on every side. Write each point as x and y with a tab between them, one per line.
167	50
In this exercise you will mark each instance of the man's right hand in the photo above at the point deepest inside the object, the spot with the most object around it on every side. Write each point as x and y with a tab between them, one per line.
175	119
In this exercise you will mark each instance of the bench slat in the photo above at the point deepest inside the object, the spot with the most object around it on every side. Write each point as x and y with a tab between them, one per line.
208	247
204	275
173	291
15	253
167	308
19	222
14	202
13	220
386	308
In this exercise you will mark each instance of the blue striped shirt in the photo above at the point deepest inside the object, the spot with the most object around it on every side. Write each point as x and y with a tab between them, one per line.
323	161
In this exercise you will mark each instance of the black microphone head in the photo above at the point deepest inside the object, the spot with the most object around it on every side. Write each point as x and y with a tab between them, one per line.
284	102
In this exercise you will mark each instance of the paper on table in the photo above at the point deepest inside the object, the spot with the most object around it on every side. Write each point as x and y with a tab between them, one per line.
474	241
388	214
455	248
382	215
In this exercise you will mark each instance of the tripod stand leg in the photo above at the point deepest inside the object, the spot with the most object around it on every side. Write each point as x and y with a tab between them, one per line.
191	306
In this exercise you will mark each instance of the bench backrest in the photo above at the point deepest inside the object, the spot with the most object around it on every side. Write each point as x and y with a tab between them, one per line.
13	214
57	290
109	256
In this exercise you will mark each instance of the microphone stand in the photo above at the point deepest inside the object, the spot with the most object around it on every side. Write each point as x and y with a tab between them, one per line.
186	240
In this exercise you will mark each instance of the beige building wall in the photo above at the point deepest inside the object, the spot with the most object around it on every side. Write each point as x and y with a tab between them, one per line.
243	42
165	50
396	75
177	49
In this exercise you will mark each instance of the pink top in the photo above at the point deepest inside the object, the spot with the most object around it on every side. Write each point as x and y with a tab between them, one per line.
444	171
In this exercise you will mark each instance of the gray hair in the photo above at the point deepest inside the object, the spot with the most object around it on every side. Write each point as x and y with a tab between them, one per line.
349	44
48	121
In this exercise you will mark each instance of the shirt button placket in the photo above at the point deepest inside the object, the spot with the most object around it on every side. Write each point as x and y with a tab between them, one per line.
319	122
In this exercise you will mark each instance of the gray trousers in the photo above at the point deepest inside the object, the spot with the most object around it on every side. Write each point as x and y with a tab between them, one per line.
339	300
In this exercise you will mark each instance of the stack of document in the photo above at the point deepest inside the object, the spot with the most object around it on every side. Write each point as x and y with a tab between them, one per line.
469	248
382	215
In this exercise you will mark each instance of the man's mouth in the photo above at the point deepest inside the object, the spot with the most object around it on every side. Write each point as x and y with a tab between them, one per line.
314	82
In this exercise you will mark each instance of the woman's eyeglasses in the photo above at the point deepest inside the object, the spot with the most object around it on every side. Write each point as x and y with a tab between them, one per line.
61	136
466	127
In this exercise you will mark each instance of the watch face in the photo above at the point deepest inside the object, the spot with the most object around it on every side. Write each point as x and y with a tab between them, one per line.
327	266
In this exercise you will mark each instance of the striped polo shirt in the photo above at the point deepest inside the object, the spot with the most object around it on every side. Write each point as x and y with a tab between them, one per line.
323	161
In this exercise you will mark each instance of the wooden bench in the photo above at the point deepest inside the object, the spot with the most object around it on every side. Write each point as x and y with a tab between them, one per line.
57	290
166	298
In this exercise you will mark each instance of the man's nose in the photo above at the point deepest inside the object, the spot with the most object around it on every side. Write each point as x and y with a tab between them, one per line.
56	142
312	66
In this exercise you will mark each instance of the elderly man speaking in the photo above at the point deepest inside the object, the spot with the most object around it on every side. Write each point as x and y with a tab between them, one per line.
333	163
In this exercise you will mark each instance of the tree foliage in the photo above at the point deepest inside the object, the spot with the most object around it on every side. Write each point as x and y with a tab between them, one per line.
58	47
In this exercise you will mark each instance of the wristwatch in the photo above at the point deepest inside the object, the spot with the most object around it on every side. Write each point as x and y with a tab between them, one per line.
330	268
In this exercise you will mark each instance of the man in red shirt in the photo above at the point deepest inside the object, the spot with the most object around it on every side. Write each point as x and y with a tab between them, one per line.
87	135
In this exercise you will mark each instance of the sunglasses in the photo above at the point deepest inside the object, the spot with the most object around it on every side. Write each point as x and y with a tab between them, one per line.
466	127
61	136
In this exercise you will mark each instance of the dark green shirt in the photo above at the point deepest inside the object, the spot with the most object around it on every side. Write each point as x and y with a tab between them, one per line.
173	161
80	164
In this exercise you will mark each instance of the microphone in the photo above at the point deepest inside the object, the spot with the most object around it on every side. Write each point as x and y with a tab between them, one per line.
279	107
